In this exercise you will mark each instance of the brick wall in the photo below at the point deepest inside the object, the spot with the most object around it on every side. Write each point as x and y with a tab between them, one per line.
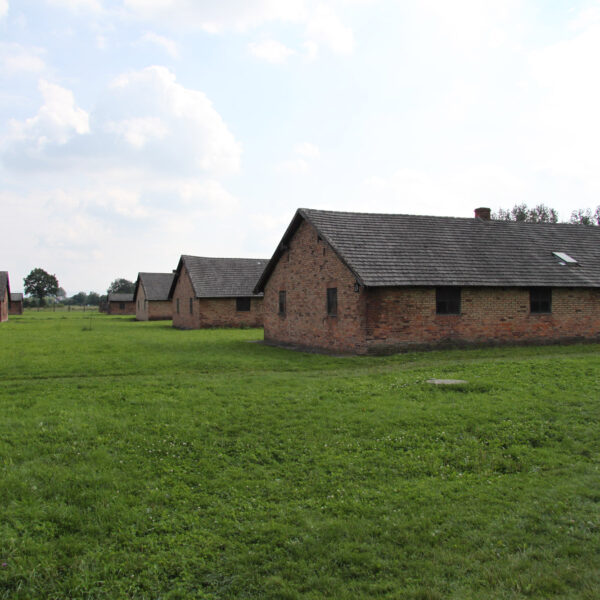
398	318
16	308
391	319
4	308
151	310
305	271
114	308
159	310
210	312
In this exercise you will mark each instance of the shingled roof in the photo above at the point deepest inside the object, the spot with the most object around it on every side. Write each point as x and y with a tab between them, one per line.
221	277
4	284
412	250
156	285
120	297
16	297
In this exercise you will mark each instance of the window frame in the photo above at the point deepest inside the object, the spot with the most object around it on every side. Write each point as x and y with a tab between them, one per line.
332	302
243	304
540	301
282	304
448	300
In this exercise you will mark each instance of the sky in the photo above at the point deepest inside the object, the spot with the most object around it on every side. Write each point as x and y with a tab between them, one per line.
134	131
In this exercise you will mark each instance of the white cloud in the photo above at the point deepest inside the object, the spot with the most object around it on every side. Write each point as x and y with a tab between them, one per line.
169	46
294	166
132	184
564	126
214	17
146	120
3	8
312	49
80	6
138	131
271	50
471	23
15	58
416	191
56	122
197	136
325	26
321	23
307	150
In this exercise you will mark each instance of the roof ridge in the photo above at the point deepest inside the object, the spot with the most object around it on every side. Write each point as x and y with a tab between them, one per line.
441	217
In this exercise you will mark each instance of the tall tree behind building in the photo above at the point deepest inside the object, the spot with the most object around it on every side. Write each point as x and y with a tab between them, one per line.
40	284
521	212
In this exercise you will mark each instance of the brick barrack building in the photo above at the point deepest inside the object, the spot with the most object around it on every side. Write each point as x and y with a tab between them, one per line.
216	292
120	303
4	296
151	296
16	304
370	283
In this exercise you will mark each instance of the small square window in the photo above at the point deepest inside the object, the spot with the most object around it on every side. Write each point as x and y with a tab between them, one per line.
447	300
282	303
540	300
242	304
332	302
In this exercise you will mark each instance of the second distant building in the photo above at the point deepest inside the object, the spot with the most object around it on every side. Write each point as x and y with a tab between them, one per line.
216	292
151	296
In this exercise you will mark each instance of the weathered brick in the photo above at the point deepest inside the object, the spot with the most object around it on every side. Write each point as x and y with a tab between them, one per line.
210	312
152	310
397	318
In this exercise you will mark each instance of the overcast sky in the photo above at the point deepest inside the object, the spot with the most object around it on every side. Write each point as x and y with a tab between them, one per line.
134	131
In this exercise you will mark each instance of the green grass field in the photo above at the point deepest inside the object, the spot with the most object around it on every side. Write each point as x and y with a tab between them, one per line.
138	461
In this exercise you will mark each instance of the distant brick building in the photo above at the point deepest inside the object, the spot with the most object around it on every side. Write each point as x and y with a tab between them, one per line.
151	296
216	292
121	304
16	304
369	283
4	296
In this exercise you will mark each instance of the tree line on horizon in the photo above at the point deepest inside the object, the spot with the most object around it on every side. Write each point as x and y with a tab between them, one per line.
43	288
544	214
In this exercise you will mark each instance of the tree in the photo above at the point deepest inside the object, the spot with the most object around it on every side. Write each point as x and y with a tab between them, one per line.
521	212
93	299
585	216
123	286
40	284
79	298
61	294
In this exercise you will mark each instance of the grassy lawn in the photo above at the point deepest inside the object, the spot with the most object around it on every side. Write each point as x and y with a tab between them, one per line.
138	461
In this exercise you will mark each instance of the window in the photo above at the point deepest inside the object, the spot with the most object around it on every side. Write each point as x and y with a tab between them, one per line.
191	306
122	305
332	302
540	300
447	300
282	303
565	258
242	304
177	304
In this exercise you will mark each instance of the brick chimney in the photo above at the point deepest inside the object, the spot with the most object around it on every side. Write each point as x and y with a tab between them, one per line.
483	213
